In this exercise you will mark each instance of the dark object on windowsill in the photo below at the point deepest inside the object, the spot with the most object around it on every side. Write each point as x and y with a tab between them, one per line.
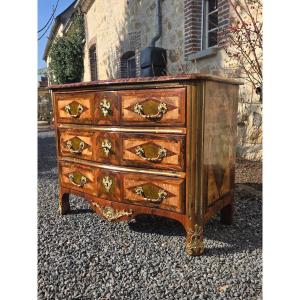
153	62
154	59
259	92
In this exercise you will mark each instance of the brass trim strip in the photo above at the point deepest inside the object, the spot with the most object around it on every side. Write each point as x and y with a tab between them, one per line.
124	169
125	129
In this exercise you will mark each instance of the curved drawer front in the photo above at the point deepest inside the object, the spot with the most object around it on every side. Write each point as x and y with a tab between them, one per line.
153	107
153	150
154	191
75	107
122	186
78	177
157	151
76	143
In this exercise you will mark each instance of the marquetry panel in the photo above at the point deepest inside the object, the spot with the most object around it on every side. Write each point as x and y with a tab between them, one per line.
107	149
75	107
109	184
78	177
76	143
147	190
152	107
107	111
157	151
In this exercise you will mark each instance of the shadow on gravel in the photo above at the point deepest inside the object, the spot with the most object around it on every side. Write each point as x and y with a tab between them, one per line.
79	211
257	186
157	225
244	234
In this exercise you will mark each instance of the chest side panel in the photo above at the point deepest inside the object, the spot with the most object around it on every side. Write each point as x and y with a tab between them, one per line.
220	115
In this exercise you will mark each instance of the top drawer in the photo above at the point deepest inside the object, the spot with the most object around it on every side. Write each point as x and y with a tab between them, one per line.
149	107
153	107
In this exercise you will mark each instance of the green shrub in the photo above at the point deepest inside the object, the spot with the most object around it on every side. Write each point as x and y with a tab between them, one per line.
66	54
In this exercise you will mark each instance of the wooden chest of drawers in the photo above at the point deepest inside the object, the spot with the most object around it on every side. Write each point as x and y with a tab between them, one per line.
162	146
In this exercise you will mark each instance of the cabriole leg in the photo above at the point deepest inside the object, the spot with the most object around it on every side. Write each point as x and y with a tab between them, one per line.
194	244
64	203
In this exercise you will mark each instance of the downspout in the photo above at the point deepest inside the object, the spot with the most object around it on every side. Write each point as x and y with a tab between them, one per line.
159	24
153	60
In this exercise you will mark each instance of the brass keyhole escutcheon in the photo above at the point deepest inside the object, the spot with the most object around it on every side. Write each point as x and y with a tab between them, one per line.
107	183
105	107
106	146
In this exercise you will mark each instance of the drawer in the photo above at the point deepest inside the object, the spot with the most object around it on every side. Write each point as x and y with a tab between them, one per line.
75	107
157	151
107	110
76	143
154	191
153	107
153	150
139	189
79	177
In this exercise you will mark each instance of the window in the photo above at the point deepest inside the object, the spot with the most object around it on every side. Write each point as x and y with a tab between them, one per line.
128	65
210	24
131	67
93	63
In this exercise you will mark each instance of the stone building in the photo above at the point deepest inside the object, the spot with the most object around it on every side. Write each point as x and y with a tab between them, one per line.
117	30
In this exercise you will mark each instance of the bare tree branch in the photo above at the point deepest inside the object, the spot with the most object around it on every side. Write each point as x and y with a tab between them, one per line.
244	40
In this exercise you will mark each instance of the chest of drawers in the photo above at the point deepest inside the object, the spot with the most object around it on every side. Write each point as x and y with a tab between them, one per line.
163	146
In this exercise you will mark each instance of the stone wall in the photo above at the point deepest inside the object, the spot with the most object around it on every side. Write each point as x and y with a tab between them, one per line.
249	124
109	25
118	26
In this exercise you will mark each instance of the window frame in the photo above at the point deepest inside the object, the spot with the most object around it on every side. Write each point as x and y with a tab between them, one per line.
126	58
129	67
205	30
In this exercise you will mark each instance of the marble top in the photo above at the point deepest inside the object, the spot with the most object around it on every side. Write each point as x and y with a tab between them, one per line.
137	80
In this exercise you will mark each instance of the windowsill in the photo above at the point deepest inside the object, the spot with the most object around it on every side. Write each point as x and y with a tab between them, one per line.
203	54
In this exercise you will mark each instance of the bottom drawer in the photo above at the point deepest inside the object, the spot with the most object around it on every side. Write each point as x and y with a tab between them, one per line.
128	187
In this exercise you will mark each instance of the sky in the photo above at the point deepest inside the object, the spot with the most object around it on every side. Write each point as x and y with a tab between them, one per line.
45	9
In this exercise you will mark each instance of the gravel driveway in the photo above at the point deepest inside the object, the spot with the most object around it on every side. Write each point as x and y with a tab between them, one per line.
81	256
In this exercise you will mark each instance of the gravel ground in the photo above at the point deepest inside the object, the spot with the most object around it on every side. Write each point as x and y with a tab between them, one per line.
81	256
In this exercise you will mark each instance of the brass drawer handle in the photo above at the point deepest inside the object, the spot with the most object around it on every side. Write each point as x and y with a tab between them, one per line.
162	152
161	110
80	148
105	107
82	181
79	111
106	146
162	194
